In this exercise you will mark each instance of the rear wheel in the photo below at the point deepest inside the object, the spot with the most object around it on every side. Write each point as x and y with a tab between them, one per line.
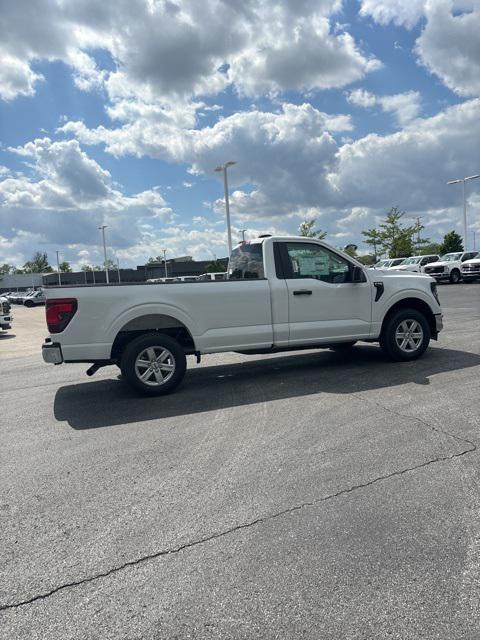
154	364
406	335
455	276
28	303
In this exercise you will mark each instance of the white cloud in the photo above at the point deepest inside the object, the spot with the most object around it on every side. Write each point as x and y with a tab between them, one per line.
16	77
411	167
401	12
182	49
405	107
449	46
362	98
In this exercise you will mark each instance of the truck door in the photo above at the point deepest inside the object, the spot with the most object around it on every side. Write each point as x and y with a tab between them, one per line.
324	303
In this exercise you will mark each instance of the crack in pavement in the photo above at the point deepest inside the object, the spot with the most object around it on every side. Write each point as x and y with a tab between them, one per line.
257	521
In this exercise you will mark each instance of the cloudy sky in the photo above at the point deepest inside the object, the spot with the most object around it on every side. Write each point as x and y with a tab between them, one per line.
118	112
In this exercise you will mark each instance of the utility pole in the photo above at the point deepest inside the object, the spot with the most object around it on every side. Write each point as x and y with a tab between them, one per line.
463	181
58	269
417	218
118	268
102	229
474	241
223	168
165	262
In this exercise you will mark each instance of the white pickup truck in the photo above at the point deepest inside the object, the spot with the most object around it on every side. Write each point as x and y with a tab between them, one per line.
449	266
5	315
282	293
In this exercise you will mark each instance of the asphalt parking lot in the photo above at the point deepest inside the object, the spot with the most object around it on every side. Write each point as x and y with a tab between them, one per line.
308	495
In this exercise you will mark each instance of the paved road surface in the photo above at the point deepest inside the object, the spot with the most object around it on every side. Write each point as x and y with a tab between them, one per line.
288	496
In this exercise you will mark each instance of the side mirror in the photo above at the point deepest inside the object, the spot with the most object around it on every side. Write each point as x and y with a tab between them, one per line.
358	275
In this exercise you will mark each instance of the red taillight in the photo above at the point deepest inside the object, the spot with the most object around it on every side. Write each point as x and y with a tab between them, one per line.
59	312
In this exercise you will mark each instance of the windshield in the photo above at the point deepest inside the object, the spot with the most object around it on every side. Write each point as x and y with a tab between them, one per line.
246	262
397	262
412	260
451	257
383	263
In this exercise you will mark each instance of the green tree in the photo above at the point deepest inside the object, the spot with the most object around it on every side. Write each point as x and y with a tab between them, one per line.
373	238
6	269
65	267
397	240
109	264
307	230
367	260
452	242
216	266
90	267
430	248
38	264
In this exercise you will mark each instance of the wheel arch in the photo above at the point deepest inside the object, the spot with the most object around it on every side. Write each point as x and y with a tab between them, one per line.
150	323
413	303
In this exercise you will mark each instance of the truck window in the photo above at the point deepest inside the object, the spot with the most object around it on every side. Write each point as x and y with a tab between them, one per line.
246	262
313	261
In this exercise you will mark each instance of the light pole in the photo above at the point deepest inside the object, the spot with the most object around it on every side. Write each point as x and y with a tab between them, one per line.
243	231
58	269
102	229
417	218
223	168
165	262
463	181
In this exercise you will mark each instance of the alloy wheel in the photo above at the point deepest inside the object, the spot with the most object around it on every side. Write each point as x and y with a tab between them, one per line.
155	366
409	335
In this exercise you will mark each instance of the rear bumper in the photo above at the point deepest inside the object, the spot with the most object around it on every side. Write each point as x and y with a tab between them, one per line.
52	353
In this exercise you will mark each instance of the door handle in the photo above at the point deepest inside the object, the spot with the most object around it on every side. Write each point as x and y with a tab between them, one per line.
302	292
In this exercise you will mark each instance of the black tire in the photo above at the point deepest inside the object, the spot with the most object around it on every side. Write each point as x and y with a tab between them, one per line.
131	365
455	276
388	339
343	346
28	303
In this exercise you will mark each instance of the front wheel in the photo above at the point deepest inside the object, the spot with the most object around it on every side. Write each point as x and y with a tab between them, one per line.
153	364
28	303
406	335
455	276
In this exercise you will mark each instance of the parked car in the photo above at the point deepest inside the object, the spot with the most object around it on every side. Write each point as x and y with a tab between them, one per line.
471	269
5	315
282	293
17	296
221	275
396	262
35	299
416	263
162	280
382	264
449	266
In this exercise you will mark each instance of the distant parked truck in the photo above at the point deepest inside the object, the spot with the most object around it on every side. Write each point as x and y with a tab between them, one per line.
471	269
449	267
5	315
35	299
416	263
282	293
